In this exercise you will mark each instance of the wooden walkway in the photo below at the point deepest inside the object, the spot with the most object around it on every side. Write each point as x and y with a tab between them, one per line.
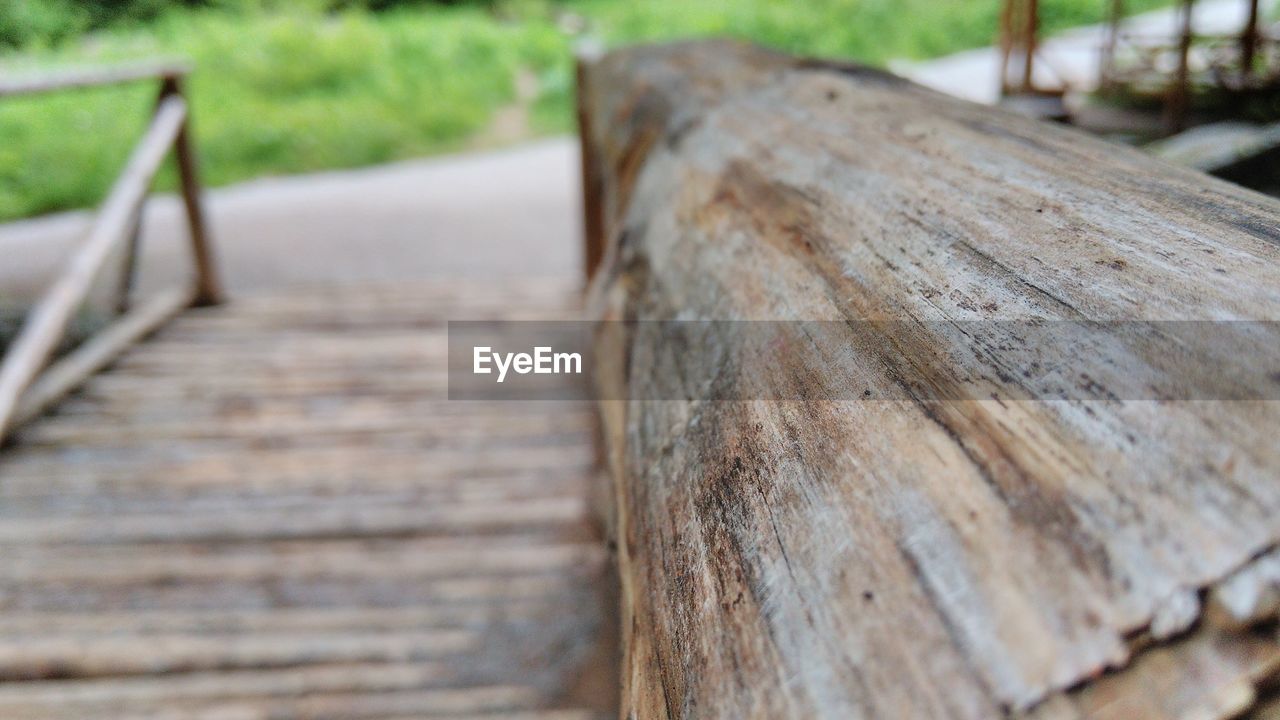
269	510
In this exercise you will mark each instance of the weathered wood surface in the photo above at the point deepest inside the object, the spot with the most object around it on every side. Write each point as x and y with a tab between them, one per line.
919	558
255	515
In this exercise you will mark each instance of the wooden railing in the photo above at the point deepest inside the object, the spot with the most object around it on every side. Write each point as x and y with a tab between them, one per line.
868	521
28	383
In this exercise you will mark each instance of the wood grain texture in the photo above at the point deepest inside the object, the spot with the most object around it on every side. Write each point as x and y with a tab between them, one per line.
922	557
182	538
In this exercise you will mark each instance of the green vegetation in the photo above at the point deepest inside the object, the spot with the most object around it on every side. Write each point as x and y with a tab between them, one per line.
285	87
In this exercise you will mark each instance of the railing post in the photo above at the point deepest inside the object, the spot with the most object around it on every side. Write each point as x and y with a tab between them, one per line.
1107	62
1249	42
592	176
208	285
129	269
1178	100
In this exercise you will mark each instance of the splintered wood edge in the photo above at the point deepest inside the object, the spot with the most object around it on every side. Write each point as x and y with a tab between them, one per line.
1219	659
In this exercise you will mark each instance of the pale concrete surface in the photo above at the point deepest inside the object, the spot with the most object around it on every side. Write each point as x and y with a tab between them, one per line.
494	214
1073	55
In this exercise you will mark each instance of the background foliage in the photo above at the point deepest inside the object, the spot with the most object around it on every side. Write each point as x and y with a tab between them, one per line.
285	86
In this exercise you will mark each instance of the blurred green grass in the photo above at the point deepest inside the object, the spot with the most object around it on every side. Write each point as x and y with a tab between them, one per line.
288	87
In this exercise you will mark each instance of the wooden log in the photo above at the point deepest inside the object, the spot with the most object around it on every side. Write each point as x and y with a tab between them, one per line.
939	553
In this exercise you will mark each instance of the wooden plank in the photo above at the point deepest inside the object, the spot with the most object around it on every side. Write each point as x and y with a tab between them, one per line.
179	545
937	553
259	525
452	703
518	610
104	493
98	697
24	659
84	434
572	593
47	322
328	466
492	555
137	411
293	497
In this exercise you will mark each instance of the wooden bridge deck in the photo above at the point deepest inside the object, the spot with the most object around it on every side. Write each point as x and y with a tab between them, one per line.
269	510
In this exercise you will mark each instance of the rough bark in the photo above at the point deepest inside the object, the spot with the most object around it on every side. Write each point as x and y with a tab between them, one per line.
919	557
